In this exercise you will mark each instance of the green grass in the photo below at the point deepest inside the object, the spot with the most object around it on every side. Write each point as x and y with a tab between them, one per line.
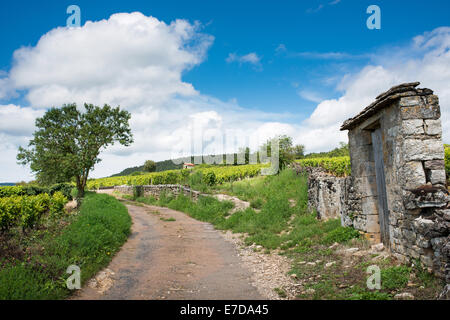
93	236
395	277
168	219
281	293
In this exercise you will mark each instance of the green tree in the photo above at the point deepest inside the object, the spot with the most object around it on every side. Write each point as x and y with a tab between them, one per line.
299	151
67	142
149	166
286	153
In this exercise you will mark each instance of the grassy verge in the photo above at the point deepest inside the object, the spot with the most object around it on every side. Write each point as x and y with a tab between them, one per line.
87	239
283	224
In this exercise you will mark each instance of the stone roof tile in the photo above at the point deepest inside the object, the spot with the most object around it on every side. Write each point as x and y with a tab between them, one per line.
385	99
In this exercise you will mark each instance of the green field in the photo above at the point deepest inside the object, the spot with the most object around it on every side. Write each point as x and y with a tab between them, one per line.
33	264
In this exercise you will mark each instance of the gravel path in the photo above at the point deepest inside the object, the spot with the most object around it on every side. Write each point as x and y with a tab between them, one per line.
181	259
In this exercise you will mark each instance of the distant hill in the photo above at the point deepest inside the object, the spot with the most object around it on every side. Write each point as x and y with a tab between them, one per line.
340	151
7	184
163	165
160	166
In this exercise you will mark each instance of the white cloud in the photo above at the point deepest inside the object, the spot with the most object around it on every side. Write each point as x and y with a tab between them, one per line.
251	58
310	95
334	2
317	9
16	126
426	59
129	59
17	121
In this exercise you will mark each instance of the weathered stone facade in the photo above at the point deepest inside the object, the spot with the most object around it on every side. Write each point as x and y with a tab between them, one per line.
156	190
333	197
413	221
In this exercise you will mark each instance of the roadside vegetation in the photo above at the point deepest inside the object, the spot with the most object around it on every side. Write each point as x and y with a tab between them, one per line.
33	262
279	222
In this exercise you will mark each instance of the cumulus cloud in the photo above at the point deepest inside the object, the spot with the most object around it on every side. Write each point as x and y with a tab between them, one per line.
129	59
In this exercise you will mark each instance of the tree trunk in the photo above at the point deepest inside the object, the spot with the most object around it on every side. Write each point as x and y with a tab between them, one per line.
80	191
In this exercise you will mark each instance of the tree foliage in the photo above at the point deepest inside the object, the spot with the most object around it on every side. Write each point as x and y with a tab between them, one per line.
67	142
286	151
341	151
149	166
299	151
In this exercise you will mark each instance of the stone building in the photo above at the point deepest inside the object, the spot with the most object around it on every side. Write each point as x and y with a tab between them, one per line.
398	176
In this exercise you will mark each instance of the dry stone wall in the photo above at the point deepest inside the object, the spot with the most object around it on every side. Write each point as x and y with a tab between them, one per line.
156	190
333	197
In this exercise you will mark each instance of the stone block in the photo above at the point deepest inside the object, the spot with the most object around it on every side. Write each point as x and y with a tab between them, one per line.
434	164
412	126
438	243
399	248
363	169
372	224
409	235
432	100
436	176
433	127
362	153
372	237
360	223
412	175
421	150
369	205
420	112
357	138
422	242
412	253
366	186
410	101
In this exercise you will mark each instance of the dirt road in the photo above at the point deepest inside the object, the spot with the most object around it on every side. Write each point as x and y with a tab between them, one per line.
181	259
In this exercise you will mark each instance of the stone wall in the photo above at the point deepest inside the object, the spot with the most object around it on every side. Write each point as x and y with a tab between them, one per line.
418	203
332	197
156	190
414	170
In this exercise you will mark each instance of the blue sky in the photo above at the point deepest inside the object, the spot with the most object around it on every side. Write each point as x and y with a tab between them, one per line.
296	67
251	26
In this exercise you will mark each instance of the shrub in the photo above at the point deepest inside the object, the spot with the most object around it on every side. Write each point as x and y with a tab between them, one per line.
57	203
26	211
64	188
209	178
11	191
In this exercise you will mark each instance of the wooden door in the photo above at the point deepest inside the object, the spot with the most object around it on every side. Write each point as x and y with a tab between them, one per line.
377	144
